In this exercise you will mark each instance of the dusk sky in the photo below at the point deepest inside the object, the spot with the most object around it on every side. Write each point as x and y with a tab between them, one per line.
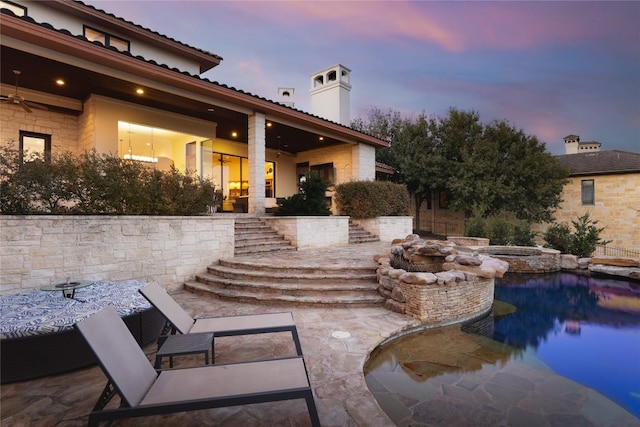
549	68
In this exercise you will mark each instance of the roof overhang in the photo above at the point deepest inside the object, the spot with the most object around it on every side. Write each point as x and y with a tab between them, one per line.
43	54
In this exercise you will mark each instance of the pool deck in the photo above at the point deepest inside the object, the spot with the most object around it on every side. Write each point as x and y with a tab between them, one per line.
336	343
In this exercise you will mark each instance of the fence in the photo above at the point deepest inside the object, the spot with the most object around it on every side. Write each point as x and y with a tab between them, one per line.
613	251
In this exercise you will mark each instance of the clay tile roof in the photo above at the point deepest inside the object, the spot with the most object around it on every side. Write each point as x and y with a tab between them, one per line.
601	162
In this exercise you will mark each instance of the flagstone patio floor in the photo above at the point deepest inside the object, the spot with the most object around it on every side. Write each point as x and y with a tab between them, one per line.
336	343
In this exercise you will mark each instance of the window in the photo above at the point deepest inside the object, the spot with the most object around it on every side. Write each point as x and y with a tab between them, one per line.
106	39
325	171
34	145
17	9
588	193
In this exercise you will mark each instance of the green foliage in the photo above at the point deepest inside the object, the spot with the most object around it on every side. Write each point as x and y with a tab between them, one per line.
501	230
522	234
582	242
370	199
97	184
558	236
310	201
475	227
488	169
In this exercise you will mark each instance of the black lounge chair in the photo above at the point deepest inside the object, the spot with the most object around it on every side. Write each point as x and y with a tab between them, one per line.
225	326
144	392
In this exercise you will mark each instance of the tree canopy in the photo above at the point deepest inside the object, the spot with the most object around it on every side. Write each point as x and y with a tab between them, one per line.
485	169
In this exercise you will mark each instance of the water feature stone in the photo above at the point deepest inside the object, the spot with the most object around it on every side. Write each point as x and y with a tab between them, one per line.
436	282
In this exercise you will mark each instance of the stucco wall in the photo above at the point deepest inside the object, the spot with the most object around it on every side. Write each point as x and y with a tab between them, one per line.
617	207
43	250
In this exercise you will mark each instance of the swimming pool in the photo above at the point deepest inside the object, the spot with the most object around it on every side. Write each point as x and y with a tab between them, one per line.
570	353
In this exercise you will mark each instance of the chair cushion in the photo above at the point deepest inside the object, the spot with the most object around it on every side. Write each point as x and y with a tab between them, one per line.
43	312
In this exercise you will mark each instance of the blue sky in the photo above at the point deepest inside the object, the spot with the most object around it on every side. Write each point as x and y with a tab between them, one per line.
549	68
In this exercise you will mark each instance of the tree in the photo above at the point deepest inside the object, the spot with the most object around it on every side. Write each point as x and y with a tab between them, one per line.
505	171
487	170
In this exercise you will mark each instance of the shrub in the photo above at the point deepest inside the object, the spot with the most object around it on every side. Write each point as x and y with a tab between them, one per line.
501	230
582	242
310	201
370	199
558	236
475	227
97	184
522	234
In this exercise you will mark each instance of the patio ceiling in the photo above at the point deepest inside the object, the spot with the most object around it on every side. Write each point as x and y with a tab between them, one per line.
39	74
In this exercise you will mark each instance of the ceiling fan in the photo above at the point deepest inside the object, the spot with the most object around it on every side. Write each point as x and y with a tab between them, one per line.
15	98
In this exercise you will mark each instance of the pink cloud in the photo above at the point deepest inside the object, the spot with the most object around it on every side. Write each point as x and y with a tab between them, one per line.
455	26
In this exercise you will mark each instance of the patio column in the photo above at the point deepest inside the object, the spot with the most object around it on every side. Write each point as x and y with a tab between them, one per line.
257	123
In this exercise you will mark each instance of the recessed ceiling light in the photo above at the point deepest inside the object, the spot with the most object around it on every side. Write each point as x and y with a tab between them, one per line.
211	109
269	124
60	82
140	91
321	138
234	134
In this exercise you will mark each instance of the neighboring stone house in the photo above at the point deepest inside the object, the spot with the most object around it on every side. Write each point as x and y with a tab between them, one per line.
77	78
573	145
606	184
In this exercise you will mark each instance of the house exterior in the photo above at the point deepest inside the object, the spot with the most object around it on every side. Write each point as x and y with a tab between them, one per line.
94	81
573	145
606	184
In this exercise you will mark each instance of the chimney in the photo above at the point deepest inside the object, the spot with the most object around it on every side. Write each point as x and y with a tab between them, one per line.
331	94
285	96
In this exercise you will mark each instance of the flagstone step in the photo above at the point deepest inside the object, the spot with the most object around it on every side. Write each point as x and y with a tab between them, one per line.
253	235
358	234
352	299
281	267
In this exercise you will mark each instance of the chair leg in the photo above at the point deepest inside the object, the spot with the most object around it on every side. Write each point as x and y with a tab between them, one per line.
313	412
296	340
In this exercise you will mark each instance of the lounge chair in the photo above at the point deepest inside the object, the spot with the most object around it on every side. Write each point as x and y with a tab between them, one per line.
225	326
144	392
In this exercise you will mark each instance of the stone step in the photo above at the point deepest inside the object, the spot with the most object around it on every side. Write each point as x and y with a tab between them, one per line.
254	236
292	287
358	234
281	266
263	248
297	276
353	299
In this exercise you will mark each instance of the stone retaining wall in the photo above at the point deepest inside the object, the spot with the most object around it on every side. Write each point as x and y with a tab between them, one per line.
311	231
387	228
43	250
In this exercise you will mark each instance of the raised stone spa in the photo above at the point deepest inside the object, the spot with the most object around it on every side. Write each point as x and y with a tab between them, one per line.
437	282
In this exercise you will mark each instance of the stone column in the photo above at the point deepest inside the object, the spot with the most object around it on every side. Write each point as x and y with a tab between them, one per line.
256	163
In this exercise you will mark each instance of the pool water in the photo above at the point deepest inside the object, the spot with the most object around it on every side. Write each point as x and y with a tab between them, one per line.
568	355
584	328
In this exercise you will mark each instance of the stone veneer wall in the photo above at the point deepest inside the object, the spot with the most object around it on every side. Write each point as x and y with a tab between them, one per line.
43	250
312	231
435	282
448	302
387	228
451	299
